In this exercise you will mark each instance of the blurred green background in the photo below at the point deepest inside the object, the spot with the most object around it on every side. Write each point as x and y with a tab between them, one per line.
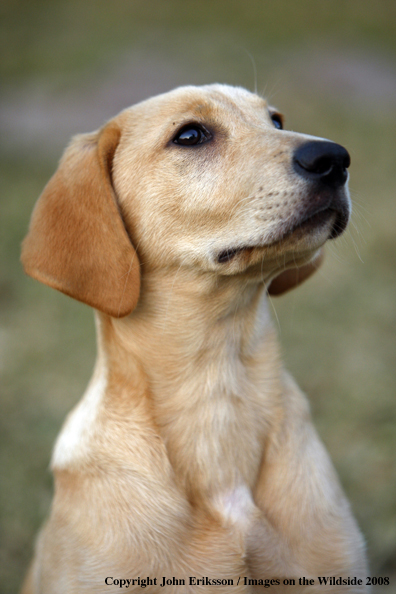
329	65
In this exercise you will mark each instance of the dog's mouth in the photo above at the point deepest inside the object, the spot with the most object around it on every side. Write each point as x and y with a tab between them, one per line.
305	226
230	253
320	218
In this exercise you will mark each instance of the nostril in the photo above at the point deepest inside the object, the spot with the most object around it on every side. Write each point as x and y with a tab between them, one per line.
322	166
322	160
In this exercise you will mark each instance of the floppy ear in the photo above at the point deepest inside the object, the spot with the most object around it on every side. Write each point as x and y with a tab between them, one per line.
77	242
293	277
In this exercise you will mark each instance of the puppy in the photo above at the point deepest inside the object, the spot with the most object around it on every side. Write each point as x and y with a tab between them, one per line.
191	462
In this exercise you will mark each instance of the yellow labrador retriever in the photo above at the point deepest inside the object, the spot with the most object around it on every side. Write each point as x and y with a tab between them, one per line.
191	463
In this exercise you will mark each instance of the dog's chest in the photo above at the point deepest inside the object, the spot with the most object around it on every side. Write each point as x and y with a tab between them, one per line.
215	439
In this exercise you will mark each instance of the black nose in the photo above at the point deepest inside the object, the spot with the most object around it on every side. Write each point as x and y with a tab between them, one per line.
322	161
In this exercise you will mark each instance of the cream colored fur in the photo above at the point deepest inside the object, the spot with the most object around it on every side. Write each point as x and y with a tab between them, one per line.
192	452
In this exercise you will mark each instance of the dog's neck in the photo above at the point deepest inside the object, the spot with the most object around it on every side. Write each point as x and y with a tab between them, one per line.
200	351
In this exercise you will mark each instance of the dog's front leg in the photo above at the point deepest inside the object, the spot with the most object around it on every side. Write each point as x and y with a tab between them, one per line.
306	528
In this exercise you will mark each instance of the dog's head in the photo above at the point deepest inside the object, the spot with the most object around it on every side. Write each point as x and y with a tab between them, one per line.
201	177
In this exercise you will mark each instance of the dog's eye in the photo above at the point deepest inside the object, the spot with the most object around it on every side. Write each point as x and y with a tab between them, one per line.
277	119
191	135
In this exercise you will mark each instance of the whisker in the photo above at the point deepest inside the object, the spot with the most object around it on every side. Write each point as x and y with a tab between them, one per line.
254	67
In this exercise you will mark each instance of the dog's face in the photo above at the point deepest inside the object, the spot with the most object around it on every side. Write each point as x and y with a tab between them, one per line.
204	178
207	178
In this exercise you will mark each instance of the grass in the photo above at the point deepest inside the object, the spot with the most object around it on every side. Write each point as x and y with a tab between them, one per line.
337	331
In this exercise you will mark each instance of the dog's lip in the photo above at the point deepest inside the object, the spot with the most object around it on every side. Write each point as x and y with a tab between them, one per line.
309	223
322	216
312	221
228	254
